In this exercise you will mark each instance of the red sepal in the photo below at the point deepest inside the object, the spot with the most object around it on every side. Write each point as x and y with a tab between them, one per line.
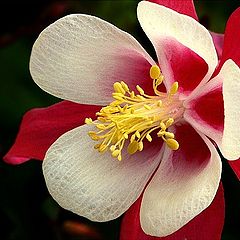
41	127
231	47
235	165
207	225
186	8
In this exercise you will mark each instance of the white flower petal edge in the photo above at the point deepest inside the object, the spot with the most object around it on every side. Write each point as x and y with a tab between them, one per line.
79	57
176	195
95	185
230	146
160	23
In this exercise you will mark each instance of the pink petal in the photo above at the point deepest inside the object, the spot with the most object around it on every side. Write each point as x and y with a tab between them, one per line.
208	112
187	8
183	66
218	42
178	39
205	110
207	225
231	47
236	167
41	127
184	185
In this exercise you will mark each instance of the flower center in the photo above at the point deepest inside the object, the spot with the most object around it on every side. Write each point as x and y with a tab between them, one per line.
133	117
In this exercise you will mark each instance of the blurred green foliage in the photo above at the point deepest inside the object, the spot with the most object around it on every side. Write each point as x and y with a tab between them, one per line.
26	210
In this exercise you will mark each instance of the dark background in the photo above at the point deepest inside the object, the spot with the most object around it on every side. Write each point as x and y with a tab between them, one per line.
26	210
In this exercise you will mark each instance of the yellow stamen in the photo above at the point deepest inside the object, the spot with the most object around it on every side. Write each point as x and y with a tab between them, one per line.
148	137
159	103
125	136
169	122
140	146
133	138
174	88
137	134
132	147
172	143
163	125
169	134
88	121
140	90
155	72
159	80
118	88
115	153
125	86
132	118
102	148
147	107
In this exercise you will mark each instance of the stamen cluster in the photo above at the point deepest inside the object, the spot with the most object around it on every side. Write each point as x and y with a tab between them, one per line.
133	117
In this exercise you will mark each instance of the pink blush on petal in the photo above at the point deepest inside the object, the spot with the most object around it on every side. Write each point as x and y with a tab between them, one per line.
133	69
210	109
182	65
191	145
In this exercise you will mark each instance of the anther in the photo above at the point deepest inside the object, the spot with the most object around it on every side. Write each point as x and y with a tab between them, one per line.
140	146
88	121
148	137
137	134
125	136
160	133
117	97
125	86
172	143
112	148
169	122
118	88
132	138
132	94
115	153
101	126
132	147
155	72
140	90
174	88
163	126
169	135
140	97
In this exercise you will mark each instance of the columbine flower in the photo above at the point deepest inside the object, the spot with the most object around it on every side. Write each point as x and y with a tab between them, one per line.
161	136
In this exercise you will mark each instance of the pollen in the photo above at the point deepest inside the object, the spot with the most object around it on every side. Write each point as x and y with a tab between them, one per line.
135	117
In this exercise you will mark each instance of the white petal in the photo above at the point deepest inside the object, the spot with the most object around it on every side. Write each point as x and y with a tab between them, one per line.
230	73
79	57
91	184
183	186
162	24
